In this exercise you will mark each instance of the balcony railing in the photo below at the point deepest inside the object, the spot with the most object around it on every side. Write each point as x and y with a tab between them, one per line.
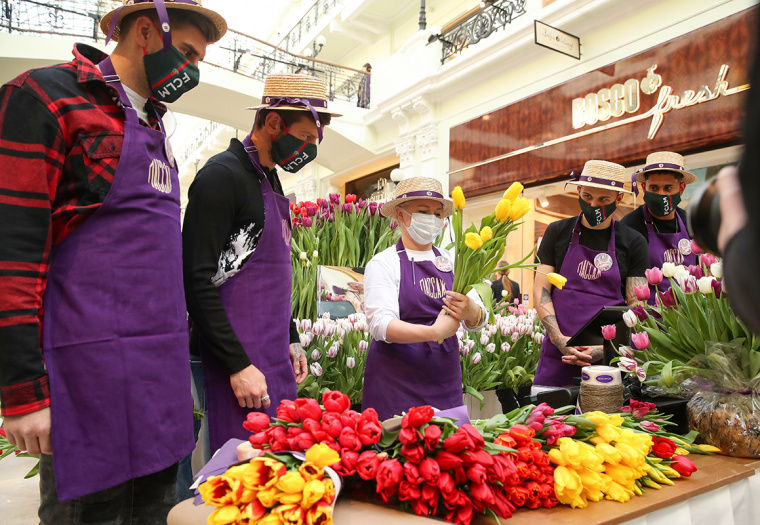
236	52
479	25
303	32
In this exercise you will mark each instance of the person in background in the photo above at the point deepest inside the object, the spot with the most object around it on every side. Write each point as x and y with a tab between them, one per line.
602	261
91	231
364	87
237	266
412	313
662	223
502	283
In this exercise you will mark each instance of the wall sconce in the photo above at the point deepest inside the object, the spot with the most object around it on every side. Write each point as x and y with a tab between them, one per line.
543	201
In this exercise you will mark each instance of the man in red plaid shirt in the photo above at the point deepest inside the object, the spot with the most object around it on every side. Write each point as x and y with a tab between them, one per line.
93	328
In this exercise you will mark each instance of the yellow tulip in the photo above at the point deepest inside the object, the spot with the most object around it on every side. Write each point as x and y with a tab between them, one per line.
617	492
502	210
329	490
610	454
263	473
310	471
615	420
291	483
268	497
608	433
289	498
513	191
458	197
312	493
270	519
486	234
568	487
681	452
519	208
557	280
556	457
708	448
473	240
251	512
320	513
224	515
221	490
322	455
597	417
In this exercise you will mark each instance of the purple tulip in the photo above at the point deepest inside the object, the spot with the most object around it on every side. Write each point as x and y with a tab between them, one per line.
347	208
642	292
373	208
690	285
360	204
335	198
311	211
696	271
609	331
307	222
640	340
393	225
667	299
717	288
654	276
331	217
640	312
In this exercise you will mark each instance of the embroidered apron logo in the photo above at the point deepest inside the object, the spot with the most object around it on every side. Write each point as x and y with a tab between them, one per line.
160	176
433	287
588	271
673	255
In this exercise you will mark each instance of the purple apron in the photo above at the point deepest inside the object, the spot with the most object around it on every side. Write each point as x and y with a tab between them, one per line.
257	302
115	326
400	376
667	247
593	281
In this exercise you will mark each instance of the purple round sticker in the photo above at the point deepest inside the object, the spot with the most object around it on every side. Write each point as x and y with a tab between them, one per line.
585	376
604	378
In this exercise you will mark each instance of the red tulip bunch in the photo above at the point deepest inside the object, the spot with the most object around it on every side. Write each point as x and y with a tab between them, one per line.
302	423
439	469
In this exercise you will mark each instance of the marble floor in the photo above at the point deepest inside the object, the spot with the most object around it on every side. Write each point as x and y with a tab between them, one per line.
19	497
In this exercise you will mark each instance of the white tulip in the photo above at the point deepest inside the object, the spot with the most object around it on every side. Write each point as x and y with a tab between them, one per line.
303	256
363	345
491	348
705	285
716	269
668	269
626	351
515	336
333	351
505	347
315	355
350	362
315	254
641	374
476	358
484	339
630	319
627	364
316	369
306	325
538	337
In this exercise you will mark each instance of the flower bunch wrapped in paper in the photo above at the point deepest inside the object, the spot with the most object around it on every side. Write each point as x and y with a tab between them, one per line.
336	351
329	232
275	488
504	354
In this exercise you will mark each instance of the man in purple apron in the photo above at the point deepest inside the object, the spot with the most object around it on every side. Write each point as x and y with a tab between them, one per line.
602	261
237	260
114	331
413	314
663	180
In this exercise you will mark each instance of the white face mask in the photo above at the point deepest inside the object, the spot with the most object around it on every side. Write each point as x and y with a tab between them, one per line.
423	228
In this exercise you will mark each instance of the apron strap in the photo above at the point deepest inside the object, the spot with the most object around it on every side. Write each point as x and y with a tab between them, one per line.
253	156
111	78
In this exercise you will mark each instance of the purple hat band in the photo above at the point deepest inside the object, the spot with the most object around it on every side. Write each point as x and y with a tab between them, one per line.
163	16
308	102
420	193
577	177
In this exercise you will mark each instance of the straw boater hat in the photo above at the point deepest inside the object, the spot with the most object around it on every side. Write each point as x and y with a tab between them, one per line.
665	161
417	188
292	92
130	6
601	174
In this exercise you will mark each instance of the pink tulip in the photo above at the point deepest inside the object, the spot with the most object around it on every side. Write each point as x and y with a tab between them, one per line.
706	259
649	426
695	248
609	331
640	340
307	222
642	292
654	276
696	271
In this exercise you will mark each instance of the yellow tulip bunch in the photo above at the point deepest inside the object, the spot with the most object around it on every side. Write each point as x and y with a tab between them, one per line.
273	490
608	467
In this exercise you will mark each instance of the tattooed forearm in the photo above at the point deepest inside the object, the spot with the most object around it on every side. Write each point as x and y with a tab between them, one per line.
552	329
630	284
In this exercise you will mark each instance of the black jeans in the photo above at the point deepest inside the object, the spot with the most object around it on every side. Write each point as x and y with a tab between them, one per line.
140	501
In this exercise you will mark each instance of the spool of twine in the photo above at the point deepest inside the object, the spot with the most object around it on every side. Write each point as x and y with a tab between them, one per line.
604	398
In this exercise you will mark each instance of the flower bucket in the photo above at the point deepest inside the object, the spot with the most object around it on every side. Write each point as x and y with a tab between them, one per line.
729	421
486	409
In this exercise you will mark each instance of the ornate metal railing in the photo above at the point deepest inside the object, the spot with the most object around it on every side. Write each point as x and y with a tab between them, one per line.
200	138
237	52
55	18
480	25
303	31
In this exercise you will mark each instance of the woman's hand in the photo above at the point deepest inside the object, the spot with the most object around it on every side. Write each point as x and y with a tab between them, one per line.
444	327
461	307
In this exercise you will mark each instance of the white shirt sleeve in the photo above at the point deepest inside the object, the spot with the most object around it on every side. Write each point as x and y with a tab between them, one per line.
382	279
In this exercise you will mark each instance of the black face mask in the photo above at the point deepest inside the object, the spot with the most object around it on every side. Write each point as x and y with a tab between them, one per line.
661	205
596	215
292	153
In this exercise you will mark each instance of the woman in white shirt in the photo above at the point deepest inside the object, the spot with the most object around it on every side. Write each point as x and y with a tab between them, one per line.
413	314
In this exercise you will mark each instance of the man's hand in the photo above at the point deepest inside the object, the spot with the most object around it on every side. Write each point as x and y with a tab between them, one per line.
30	432
250	386
583	355
298	358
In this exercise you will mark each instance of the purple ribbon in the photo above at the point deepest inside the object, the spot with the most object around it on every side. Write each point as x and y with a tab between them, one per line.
421	193
163	17
634	184
662	165
577	177
308	102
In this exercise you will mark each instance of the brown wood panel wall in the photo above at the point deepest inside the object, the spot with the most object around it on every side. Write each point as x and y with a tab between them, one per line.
684	63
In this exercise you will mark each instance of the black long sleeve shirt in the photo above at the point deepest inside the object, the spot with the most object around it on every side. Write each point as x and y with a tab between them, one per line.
223	223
